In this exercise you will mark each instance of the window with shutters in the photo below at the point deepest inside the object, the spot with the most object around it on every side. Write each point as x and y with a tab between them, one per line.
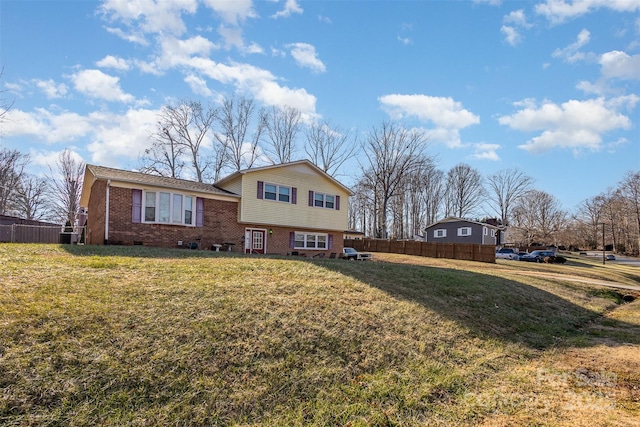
322	200
278	193
464	231
439	233
167	208
310	240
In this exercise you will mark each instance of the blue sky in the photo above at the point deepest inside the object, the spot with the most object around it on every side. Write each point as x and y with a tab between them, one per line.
550	87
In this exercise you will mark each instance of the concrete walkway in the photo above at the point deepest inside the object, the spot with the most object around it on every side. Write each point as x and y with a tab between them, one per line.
581	280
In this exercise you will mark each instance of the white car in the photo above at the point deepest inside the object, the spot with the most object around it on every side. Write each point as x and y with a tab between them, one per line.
352	255
507	253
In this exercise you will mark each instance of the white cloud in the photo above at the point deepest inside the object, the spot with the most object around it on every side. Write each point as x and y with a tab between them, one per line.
558	11
512	36
113	137
51	89
233	38
132	36
151	16
290	6
96	84
443	112
47	126
114	62
198	85
574	124
616	64
446	114
305	56
517	17
405	40
572	52
233	12
486	151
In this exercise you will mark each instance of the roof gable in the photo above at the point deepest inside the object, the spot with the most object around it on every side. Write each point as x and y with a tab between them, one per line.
300	165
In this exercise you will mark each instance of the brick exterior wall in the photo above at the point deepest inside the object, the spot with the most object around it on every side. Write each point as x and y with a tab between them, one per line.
220	226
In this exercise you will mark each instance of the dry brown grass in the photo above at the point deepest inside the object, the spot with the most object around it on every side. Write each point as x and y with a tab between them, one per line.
140	336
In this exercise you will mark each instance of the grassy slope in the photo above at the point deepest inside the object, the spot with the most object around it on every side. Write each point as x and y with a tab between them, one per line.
139	336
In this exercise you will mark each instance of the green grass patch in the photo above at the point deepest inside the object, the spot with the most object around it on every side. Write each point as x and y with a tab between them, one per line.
143	336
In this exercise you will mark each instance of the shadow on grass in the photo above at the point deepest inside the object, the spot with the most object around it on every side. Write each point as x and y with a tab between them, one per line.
489	306
486	305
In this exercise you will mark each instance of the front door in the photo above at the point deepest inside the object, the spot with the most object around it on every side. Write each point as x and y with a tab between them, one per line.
255	241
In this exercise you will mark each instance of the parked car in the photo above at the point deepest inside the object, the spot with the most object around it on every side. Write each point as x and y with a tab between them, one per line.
506	253
537	256
610	257
352	255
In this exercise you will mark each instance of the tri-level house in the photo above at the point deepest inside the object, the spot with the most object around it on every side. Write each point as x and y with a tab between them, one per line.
459	230
287	208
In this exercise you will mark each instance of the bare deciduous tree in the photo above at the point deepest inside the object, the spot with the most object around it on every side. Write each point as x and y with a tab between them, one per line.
464	190
538	217
392	153
283	125
505	188
631	191
66	186
5	105
165	157
12	164
238	134
31	200
329	147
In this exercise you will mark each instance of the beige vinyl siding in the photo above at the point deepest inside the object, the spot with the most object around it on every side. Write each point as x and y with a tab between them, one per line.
304	179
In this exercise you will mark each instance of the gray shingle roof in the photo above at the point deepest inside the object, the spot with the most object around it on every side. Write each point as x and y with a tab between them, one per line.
101	172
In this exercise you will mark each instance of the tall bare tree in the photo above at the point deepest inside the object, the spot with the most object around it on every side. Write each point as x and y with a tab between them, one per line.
329	147
66	186
241	129
5	104
31	201
282	125
392	152
12	164
165	157
631	191
538	218
465	191
505	188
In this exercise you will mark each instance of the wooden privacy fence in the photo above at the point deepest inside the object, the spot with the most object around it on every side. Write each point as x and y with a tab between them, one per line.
22	233
463	251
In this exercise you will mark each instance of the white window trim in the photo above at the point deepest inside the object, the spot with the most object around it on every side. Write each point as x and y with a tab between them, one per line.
278	187
324	200
171	200
493	233
444	233
306	240
461	234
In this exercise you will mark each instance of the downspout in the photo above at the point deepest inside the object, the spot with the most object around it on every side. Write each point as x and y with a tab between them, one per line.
106	215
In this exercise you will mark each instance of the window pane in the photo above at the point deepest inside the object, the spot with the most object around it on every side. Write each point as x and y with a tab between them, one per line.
329	202
322	242
188	210
311	241
150	207
283	194
164	207
177	209
319	200
299	240
270	192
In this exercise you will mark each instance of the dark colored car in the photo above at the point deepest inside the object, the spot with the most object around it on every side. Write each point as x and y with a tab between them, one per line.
537	256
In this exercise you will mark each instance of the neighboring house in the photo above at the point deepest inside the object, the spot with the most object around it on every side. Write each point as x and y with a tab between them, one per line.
458	230
353	235
288	208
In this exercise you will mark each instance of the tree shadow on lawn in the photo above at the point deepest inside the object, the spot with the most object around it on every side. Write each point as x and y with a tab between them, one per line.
486	305
492	306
